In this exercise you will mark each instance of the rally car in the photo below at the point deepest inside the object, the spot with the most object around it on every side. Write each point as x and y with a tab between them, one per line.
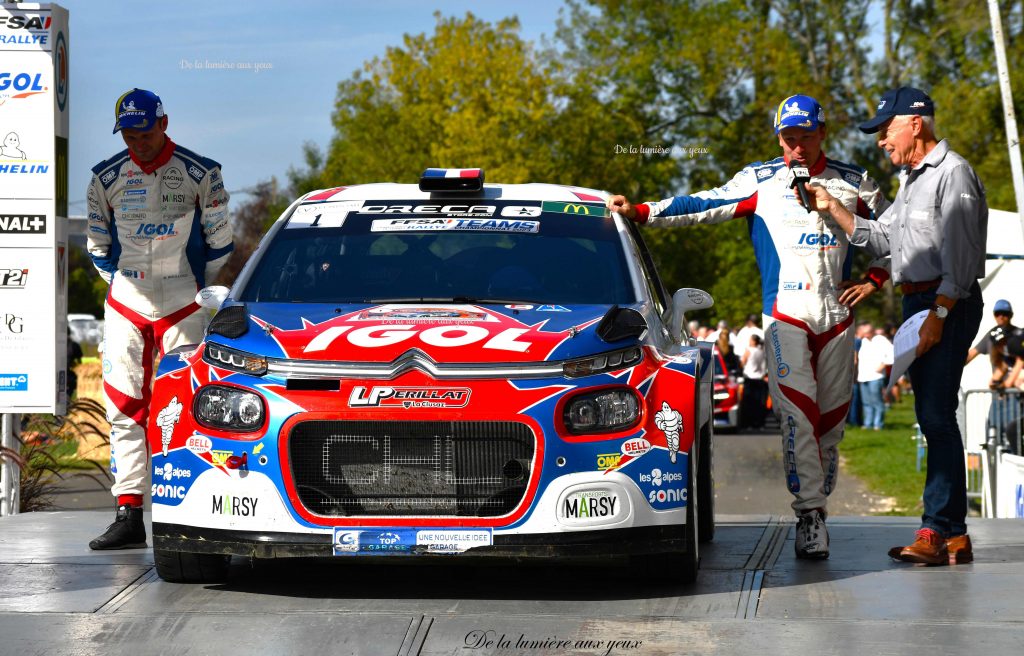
442	370
726	395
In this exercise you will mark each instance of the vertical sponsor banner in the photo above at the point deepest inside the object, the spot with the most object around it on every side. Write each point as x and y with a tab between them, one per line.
1010	486
33	207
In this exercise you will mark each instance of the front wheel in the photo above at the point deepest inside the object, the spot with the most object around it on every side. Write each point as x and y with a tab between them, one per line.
184	567
706	484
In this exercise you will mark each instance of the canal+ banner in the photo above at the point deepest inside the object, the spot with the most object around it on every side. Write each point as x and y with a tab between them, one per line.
33	207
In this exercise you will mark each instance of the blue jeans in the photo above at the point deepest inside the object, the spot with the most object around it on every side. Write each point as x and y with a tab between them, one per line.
935	377
872	402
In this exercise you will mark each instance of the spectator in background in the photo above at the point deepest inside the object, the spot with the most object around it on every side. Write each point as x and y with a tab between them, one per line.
1002	312
870	377
751	327
724	346
755	387
882	341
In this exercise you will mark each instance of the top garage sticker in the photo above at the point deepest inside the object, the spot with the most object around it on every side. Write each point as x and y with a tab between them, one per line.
424	224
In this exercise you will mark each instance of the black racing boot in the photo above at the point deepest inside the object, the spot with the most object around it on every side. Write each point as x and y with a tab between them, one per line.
127	532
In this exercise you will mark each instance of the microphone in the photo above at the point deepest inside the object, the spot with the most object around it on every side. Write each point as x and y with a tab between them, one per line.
798	176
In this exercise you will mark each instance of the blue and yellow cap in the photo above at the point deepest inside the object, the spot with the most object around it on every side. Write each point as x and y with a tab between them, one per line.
799	112
137	109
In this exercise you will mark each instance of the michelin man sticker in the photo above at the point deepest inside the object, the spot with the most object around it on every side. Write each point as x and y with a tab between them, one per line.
670	422
166	420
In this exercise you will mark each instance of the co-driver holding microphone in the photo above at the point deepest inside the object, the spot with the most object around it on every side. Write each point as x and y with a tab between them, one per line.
804	257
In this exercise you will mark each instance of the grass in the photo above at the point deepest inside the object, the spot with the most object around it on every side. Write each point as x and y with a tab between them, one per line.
885	459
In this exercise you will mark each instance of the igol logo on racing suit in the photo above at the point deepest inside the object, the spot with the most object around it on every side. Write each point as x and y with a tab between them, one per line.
670	422
792	479
155	230
409	397
818	239
226	504
13	278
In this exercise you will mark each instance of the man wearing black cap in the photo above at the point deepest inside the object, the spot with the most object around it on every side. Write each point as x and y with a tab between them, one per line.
935	234
804	259
158	232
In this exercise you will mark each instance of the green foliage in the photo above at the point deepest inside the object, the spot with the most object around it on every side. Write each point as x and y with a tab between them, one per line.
885	459
48	451
696	82
86	290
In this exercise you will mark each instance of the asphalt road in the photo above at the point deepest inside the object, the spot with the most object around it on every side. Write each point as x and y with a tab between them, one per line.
749	479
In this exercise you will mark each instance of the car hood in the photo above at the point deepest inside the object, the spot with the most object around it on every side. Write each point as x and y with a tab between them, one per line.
444	332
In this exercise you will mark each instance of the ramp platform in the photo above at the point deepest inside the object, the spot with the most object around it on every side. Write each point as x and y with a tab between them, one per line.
752	597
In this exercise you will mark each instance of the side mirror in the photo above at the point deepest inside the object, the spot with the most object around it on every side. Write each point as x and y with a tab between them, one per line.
212	297
684	300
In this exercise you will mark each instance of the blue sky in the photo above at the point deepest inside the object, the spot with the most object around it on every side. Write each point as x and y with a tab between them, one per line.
253	122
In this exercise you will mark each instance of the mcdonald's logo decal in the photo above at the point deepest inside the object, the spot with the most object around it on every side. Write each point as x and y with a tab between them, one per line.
585	209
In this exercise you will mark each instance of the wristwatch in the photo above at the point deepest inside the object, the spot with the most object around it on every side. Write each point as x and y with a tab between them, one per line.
941	311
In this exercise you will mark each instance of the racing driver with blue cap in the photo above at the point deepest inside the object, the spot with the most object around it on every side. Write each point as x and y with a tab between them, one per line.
804	259
158	232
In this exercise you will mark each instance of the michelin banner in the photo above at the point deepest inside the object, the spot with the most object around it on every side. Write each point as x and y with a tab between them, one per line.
33	207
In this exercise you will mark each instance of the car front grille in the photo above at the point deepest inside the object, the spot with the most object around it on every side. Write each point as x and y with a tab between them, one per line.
404	468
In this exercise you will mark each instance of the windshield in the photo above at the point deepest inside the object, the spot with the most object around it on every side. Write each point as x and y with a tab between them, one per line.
515	251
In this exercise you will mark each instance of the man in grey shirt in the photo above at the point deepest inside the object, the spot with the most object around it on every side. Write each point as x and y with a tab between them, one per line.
934	233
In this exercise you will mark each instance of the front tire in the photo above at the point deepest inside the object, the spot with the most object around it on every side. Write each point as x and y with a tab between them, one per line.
706	484
184	567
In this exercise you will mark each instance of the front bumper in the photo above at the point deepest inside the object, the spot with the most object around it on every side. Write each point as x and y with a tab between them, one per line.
585	545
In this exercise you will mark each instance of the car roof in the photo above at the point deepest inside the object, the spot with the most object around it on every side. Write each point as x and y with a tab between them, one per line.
392	191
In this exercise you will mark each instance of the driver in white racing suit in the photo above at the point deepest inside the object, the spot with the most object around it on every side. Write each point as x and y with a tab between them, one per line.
803	257
158	232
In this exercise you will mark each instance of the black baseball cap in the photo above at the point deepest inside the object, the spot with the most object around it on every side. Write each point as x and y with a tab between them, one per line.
899	102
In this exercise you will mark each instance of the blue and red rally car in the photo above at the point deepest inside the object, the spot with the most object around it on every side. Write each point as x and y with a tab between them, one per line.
454	369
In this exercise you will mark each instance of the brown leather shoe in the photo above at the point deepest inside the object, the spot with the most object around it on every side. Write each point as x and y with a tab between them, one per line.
960	550
929	548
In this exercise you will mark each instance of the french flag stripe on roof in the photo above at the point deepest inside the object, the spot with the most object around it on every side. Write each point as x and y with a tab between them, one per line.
451	173
324	195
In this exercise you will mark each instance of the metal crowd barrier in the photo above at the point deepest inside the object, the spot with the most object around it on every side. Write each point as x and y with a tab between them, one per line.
993	422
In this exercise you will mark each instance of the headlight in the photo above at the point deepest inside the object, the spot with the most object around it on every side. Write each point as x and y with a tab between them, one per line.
602	412
605	362
228	408
227	358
